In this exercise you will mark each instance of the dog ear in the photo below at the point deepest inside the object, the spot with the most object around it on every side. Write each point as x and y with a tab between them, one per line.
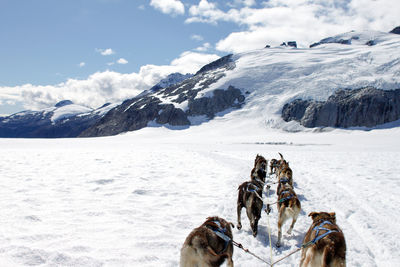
313	214
332	214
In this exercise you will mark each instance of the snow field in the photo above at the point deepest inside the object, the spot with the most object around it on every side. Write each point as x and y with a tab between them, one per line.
131	201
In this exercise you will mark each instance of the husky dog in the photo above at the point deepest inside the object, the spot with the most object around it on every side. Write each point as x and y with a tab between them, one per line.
208	245
273	165
259	172
324	243
284	173
260	162
249	197
288	207
258	176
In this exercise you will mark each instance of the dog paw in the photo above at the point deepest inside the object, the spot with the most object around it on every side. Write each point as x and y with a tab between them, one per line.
289	231
239	226
278	244
255	233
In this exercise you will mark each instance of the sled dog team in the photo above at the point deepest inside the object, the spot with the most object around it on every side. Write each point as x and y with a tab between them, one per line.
210	244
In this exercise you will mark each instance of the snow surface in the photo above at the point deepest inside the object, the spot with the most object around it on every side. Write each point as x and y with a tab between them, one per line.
131	200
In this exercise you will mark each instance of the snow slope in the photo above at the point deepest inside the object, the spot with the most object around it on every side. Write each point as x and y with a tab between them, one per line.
276	76
131	200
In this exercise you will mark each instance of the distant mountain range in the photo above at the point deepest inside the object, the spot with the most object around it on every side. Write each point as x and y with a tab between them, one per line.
288	87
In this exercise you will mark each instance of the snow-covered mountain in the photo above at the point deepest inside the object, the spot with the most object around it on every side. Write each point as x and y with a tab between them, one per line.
256	85
65	119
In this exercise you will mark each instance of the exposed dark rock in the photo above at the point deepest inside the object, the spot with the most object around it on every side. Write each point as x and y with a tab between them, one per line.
347	108
220	101
63	103
295	110
396	30
171	79
292	44
331	40
371	43
267	46
172	116
222	62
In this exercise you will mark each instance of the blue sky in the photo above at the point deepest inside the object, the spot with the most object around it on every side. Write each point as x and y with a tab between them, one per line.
97	51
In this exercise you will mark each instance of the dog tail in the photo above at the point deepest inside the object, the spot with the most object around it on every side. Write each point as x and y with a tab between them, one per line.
281	156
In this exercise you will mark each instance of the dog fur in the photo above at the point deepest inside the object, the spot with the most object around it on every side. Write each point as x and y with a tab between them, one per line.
273	165
252	202
284	172
287	208
260	162
330	251
258	175
203	247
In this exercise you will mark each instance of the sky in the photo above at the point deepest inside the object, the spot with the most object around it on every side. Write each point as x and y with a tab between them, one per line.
98	51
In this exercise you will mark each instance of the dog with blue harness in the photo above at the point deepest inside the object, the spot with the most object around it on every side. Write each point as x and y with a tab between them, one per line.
324	243
288	206
209	244
250	197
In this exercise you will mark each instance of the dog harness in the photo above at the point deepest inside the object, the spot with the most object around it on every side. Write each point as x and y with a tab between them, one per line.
220	232
252	188
285	198
258	180
284	180
319	237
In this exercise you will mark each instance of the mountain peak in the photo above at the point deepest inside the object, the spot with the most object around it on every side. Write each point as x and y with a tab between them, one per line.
395	30
171	79
63	103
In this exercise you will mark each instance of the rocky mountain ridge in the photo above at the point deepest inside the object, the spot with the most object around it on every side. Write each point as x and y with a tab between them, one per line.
271	87
65	119
174	105
346	108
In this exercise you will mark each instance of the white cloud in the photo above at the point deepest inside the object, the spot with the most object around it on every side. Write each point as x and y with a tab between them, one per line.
103	87
82	64
305	21
197	37
204	47
205	12
242	3
110	63
172	7
122	61
105	52
141	7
